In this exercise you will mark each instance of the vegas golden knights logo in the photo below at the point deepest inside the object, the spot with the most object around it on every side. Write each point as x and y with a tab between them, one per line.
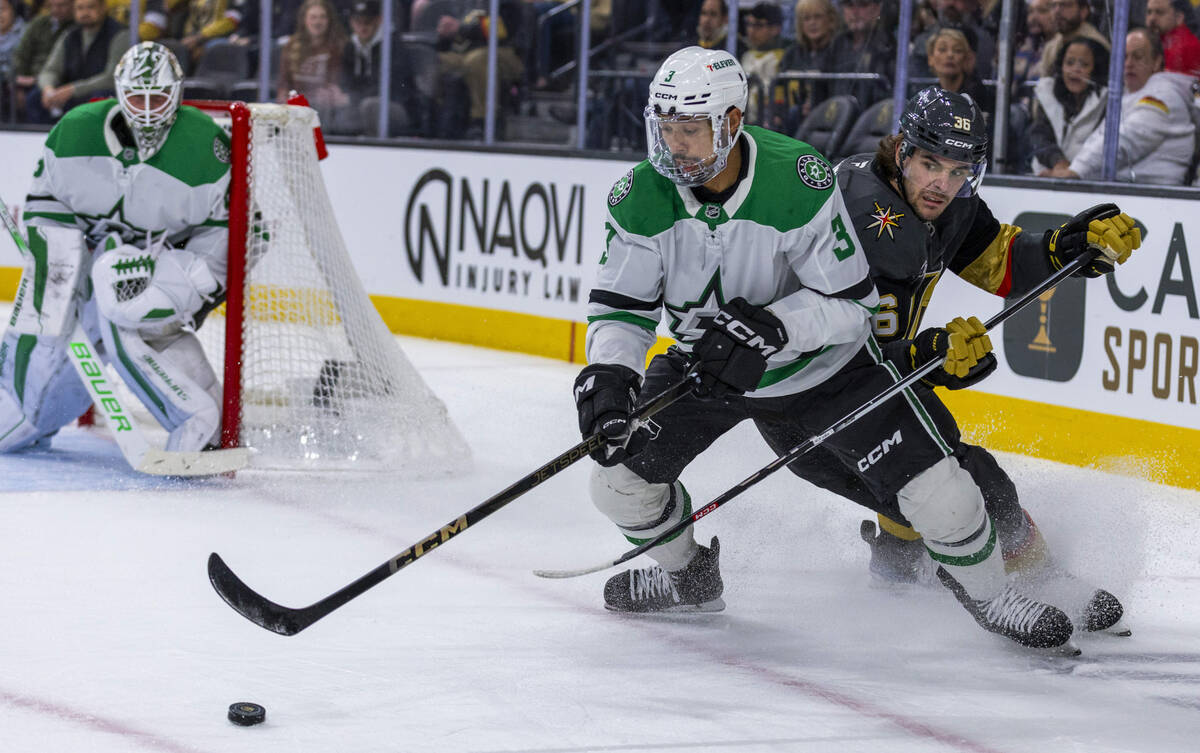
1046	341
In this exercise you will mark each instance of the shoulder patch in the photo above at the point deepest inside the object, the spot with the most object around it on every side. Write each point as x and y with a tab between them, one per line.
220	150
621	189
814	172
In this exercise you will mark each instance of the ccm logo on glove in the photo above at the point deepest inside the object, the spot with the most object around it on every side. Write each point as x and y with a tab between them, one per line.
748	336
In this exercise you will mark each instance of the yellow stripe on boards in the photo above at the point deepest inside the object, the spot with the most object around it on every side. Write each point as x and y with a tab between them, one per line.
1156	452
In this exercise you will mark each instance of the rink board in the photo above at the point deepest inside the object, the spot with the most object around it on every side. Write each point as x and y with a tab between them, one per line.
499	249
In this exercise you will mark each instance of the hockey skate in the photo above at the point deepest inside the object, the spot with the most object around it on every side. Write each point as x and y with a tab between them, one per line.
695	588
1091	609
1014	615
895	561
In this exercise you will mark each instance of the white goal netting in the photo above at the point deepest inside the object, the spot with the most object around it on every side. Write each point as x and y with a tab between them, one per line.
324	384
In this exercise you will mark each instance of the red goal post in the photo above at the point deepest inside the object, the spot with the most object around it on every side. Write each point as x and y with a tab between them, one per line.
312	376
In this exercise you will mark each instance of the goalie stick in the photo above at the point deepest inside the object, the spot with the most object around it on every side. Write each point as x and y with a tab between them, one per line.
817	439
82	353
289	621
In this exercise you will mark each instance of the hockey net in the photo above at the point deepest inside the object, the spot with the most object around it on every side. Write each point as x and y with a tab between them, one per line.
312	376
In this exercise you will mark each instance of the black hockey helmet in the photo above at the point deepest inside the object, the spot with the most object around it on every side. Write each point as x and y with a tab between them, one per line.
949	125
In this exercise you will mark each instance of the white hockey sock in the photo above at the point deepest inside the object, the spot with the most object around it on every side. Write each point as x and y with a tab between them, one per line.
643	510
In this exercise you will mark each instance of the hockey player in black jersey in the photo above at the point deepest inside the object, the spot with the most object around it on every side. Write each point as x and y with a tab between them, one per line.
915	206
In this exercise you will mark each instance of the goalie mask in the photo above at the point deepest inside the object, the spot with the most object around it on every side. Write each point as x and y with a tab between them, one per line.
688	134
149	83
948	125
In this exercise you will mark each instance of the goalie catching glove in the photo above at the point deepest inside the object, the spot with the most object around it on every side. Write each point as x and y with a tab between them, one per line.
605	395
965	345
734	349
151	289
1103	228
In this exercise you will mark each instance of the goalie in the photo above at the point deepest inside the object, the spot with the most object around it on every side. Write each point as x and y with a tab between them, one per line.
127	230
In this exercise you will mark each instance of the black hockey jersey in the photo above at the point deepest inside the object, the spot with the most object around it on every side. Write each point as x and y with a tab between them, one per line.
908	255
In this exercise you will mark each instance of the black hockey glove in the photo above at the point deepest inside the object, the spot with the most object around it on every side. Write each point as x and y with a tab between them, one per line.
1104	228
734	349
964	343
605	394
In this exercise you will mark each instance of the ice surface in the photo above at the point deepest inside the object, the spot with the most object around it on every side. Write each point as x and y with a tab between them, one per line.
111	638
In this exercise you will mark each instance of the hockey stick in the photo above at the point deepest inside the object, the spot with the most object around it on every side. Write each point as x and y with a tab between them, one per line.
817	439
288	621
128	435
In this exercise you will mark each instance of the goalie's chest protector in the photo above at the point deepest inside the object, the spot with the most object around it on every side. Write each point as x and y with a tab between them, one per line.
907	255
89	173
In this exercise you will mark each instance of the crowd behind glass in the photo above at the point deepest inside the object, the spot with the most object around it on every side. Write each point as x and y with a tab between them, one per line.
825	71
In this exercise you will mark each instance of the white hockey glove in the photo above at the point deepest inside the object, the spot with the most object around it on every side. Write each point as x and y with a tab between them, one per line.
151	289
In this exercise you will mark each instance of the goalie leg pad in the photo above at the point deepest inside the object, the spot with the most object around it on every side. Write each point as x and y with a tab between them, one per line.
642	510
39	390
151	291
173	379
946	508
56	263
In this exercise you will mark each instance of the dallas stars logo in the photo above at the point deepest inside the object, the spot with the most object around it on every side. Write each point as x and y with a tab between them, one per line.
113	221
688	322
885	219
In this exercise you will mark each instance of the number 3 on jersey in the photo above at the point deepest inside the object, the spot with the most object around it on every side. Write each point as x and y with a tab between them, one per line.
845	246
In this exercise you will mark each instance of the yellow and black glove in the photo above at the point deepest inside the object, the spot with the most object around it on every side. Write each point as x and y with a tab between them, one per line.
964	343
1103	227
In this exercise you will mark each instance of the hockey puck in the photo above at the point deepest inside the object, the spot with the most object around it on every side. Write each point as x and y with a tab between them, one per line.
247	714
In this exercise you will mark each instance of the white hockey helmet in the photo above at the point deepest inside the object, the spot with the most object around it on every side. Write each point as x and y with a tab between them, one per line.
149	83
694	84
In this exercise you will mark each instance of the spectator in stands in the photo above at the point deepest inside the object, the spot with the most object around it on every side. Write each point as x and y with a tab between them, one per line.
817	24
1157	134
81	64
764	38
462	51
11	28
1181	48
1027	57
1070	21
866	46
362	58
34	48
1069	106
311	61
964	15
194	22
713	28
951	58
164	19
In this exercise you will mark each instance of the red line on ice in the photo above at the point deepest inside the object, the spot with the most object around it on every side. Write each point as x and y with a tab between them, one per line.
91	721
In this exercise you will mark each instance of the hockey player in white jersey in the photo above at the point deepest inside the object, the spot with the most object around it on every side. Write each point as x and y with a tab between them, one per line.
738	239
127	223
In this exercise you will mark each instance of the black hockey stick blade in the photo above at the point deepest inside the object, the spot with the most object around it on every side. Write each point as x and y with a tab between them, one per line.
816	439
288	621
248	603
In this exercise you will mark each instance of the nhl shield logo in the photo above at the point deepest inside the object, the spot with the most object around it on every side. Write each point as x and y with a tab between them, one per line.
621	189
814	172
712	211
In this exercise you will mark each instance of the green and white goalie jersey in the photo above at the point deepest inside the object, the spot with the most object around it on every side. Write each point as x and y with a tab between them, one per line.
782	240
90	177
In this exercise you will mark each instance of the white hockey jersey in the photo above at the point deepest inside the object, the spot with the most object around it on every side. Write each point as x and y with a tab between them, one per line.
782	240
89	179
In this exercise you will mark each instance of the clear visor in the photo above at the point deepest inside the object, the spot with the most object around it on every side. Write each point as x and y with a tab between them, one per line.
957	179
689	150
